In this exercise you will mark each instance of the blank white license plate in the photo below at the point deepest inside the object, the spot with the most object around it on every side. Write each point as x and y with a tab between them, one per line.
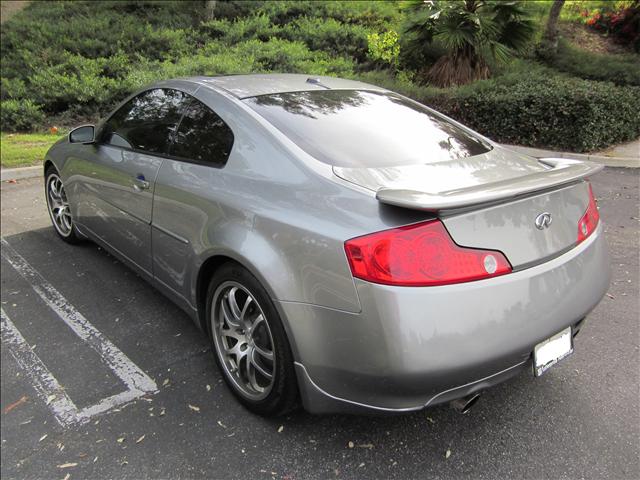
546	354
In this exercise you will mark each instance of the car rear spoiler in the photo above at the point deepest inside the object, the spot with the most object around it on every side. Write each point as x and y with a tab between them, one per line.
562	171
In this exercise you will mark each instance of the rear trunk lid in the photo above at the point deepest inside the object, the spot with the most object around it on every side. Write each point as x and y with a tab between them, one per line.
526	208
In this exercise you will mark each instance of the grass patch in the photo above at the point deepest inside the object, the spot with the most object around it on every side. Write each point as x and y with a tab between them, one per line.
25	149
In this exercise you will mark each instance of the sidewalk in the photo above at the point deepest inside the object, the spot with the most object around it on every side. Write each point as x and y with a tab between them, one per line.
625	155
631	149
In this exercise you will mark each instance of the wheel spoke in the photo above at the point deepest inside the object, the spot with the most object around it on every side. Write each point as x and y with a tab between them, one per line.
228	315
256	323
247	303
251	375
262	352
258	367
233	303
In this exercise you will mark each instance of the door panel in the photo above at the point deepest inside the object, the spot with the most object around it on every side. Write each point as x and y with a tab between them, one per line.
120	189
118	181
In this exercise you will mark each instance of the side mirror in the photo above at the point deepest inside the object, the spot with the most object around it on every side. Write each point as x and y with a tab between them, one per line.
84	134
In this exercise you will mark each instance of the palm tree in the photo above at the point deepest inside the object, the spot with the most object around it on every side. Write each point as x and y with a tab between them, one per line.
473	32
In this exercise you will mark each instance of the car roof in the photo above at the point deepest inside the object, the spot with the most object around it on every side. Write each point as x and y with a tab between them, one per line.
243	86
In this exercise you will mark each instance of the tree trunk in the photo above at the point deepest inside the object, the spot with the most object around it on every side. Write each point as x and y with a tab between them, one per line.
550	37
210	7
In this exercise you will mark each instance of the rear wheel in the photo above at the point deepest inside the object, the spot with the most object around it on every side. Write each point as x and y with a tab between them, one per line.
250	344
58	207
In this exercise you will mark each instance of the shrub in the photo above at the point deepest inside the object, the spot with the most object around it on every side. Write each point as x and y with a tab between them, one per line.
619	69
384	47
330	36
12	88
546	111
376	15
283	56
20	115
231	32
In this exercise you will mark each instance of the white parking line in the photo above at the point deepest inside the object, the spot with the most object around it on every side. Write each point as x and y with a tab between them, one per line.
138	383
45	384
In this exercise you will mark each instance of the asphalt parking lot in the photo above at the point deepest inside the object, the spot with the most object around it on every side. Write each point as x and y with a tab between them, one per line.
102	377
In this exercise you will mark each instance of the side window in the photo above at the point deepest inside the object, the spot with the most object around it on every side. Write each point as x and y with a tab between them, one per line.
147	121
203	136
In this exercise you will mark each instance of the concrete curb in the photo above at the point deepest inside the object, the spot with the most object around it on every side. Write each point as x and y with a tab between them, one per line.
627	162
19	173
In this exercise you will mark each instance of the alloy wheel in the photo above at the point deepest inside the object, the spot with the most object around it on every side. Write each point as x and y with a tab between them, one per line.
58	205
243	340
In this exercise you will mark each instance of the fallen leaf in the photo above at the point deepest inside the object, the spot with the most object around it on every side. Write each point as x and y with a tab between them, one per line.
194	408
50	399
140	439
448	454
366	445
67	476
221	424
208	388
43	437
8	408
431	420
280	428
611	296
95	459
351	445
162	412
120	440
68	465
361	465
166	382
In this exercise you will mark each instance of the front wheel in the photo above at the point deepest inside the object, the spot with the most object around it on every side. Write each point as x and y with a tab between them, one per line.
249	341
58	207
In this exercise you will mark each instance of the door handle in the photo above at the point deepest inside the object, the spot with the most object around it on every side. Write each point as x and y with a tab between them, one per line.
140	184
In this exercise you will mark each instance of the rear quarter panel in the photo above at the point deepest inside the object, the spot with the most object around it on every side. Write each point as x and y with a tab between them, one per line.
265	209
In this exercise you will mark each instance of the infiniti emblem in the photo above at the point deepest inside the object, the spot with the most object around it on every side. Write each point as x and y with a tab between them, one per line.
543	221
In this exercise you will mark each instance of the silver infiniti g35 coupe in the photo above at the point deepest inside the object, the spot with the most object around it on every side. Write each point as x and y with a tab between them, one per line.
341	244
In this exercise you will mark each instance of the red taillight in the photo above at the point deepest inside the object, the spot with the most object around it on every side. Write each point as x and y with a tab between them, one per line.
589	221
420	255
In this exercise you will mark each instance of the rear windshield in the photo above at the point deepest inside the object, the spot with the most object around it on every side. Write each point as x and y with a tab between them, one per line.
355	128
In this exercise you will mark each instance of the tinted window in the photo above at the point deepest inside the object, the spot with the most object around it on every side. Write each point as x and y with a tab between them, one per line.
203	136
146	122
350	128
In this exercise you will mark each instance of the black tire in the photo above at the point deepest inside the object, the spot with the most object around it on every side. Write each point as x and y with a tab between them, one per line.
283	395
72	237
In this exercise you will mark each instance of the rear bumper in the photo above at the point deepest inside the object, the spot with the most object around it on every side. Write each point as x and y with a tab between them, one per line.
413	347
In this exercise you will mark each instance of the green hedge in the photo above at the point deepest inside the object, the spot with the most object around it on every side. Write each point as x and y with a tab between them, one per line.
560	113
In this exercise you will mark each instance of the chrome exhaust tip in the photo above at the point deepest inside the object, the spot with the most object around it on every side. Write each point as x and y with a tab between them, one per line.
464	404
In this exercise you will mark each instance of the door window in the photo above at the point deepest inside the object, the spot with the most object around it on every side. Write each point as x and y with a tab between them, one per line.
147	122
203	136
